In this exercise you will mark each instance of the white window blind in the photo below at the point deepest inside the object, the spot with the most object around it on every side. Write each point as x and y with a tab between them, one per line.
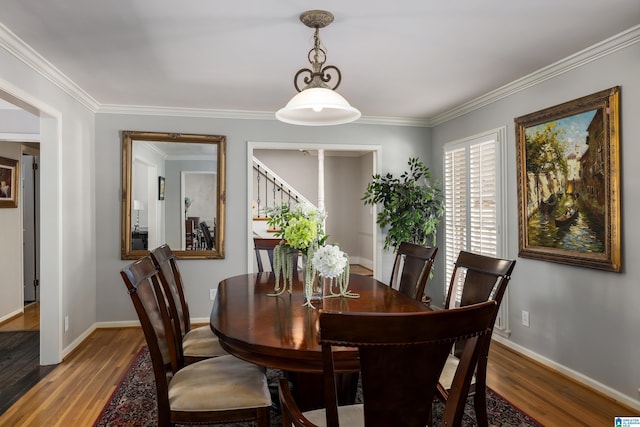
473	203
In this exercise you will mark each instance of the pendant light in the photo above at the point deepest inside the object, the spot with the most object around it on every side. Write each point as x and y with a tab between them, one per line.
317	103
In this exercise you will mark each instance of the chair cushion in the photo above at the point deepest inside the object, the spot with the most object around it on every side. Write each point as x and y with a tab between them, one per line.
349	415
449	371
202	343
218	384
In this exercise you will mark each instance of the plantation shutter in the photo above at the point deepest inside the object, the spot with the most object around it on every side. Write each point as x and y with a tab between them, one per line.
473	204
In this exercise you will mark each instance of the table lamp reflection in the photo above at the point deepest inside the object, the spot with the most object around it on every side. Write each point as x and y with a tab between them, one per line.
138	206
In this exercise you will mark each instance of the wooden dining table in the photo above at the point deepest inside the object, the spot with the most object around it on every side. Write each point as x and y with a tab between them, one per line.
279	332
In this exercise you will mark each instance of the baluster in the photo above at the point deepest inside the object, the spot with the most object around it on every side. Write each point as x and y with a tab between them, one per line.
273	188
258	188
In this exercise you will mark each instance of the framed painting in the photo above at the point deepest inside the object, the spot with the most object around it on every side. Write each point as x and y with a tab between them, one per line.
8	183
161	188
568	160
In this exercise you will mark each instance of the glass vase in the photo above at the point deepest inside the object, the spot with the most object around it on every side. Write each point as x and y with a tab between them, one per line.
313	284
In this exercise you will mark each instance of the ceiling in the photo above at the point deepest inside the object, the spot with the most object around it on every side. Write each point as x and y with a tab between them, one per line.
411	59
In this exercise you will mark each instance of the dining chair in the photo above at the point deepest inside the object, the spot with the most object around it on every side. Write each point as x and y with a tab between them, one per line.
475	278
265	246
197	343
394	393
411	270
206	235
221	389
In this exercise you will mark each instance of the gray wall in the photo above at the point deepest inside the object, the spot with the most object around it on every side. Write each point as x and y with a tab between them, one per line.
398	144
583	319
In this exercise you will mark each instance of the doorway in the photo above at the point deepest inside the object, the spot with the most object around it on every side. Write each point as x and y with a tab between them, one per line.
347	170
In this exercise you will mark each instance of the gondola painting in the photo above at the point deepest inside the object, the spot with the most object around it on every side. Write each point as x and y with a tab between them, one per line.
569	182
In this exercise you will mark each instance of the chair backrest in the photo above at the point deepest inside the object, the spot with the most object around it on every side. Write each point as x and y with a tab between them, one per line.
206	233
401	357
165	261
266	245
143	284
411	269
478	278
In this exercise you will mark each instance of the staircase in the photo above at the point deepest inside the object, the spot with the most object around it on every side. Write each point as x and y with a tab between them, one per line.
270	191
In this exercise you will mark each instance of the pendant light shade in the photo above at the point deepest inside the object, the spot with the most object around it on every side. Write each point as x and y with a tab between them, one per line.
318	107
317	104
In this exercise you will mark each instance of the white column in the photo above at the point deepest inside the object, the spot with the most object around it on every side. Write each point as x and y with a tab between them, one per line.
321	179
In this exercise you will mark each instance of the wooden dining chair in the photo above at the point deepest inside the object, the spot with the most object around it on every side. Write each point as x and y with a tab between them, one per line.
401	357
475	278
265	246
411	270
197	343
206	235
221	389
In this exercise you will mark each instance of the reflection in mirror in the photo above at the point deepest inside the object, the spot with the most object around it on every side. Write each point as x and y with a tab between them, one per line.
173	192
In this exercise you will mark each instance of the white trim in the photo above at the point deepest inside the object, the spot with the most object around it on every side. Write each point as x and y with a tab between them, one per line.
21	137
574	375
592	53
118	324
68	349
51	325
146	110
33	59
25	53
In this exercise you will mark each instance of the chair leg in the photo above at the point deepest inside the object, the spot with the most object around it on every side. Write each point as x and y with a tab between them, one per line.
480	395
480	405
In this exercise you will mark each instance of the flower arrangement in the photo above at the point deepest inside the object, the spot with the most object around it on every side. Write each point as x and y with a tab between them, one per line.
301	228
332	263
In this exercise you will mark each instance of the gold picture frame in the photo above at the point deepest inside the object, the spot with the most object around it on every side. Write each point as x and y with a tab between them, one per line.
568	160
9	183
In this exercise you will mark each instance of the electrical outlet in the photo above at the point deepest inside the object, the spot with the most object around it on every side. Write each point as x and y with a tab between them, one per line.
525	318
212	294
66	323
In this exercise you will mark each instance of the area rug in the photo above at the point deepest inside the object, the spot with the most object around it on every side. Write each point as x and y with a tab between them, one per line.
19	365
133	403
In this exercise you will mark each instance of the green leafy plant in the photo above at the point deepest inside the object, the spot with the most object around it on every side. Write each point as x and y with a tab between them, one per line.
412	205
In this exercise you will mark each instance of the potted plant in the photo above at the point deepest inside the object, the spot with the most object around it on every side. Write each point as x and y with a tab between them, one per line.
412	205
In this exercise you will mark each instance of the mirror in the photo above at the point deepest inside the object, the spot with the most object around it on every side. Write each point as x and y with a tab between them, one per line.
173	191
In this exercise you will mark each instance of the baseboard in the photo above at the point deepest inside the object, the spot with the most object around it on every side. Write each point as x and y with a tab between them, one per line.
570	373
361	261
119	324
75	343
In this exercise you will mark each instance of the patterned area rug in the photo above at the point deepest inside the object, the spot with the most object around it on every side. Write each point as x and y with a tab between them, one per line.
133	403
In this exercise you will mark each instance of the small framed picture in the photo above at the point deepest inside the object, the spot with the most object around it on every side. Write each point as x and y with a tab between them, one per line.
8	183
161	188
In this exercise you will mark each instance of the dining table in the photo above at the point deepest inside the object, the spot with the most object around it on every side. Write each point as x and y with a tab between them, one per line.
280	332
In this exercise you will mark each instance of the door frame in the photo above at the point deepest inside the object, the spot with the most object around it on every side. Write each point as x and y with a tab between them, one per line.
255	145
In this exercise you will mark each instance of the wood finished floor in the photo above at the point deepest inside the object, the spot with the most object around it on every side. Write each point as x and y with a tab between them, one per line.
77	389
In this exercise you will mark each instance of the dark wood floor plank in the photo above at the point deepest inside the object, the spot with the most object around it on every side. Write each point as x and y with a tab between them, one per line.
19	365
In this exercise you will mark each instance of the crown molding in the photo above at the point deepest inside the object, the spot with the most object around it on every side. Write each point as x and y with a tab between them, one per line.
597	51
239	114
25	53
10	42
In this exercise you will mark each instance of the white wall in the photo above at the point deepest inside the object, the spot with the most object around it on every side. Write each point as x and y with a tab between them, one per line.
582	319
398	144
67	201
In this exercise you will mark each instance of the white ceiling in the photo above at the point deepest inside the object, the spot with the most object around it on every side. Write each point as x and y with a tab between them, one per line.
410	59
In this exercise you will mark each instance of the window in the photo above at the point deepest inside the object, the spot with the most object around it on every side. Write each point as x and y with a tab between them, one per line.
474	202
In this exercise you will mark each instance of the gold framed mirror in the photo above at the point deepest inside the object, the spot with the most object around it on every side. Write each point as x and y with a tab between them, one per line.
173	191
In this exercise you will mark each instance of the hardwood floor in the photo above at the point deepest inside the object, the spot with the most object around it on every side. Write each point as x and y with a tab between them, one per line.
77	389
28	321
